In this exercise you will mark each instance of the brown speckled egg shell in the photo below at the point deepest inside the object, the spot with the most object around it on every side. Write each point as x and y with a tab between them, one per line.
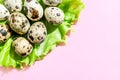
37	33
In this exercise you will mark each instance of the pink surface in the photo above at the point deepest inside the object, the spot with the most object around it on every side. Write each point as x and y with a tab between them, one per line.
91	53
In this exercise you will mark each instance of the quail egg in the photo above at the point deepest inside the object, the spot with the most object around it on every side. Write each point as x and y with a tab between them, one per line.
52	2
22	46
4	33
54	15
13	5
4	13
19	23
33	9
37	33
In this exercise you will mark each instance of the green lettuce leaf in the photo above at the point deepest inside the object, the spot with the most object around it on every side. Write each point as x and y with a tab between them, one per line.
55	36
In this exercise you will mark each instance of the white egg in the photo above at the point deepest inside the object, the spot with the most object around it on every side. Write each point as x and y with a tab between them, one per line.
52	2
33	10
19	23
54	15
13	5
4	13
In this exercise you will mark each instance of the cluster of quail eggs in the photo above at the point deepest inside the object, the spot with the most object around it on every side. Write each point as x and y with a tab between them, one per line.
19	22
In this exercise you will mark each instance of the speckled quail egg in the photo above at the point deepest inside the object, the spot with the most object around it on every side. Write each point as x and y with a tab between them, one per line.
54	15
19	23
22	46
4	13
37	33
33	9
4	33
52	2
13	5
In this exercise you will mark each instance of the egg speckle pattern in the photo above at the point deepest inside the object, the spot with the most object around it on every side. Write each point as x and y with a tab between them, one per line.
33	10
54	15
22	46
13	5
4	13
19	23
52	2
37	33
4	33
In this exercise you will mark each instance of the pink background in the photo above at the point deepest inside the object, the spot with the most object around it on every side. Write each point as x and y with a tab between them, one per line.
92	52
